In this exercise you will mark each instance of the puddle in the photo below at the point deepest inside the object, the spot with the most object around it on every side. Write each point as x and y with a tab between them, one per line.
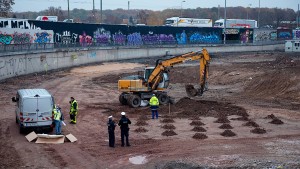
138	160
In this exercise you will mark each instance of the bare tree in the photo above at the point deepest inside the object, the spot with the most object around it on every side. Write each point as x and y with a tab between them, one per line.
52	11
6	7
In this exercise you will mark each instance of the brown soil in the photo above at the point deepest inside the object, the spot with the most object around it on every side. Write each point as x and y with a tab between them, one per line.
169	126
199	129
276	121
241	86
141	130
251	124
141	123
222	120
226	126
199	136
271	116
167	121
228	133
169	133
196	123
258	131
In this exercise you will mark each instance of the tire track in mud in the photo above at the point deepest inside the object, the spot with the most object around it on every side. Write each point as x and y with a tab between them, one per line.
8	153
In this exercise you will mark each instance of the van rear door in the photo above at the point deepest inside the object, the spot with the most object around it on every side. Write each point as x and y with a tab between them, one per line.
37	110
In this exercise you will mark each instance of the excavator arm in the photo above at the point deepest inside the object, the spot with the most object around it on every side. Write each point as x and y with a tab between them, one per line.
162	66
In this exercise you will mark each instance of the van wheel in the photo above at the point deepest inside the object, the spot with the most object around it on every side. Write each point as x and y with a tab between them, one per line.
22	130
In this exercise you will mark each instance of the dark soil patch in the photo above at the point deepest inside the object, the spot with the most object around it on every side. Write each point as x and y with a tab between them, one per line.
143	118
222	120
167	121
196	123
276	121
169	133
258	131
243	118
168	127
251	123
141	130
226	126
195	118
228	133
271	116
141	123
199	136
199	129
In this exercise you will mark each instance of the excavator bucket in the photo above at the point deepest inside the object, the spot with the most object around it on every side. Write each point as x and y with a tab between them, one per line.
191	90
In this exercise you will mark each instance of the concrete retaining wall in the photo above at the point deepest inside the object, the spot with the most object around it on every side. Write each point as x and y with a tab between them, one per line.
21	64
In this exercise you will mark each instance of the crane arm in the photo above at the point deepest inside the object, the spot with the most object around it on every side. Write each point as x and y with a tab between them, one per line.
156	75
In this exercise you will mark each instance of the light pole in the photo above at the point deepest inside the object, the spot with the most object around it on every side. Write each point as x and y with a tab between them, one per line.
225	24
248	10
100	11
68	10
258	13
181	9
128	11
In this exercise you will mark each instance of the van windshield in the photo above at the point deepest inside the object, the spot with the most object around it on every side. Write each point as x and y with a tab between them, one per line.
42	104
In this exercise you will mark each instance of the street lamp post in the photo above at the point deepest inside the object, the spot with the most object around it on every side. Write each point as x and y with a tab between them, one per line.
181	9
68	10
101	11
258	14
225	24
248	10
128	12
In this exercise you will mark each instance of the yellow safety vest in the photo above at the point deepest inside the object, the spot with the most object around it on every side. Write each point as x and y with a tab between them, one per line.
57	114
72	106
154	101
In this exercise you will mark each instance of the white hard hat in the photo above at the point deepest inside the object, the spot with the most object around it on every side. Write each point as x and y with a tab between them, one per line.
110	117
123	113
153	94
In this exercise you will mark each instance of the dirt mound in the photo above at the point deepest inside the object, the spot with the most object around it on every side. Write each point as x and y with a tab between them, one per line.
190	90
258	131
199	129
168	126
251	123
169	133
228	133
284	60
226	126
199	136
167	121
222	120
276	121
141	123
271	116
196	123
141	130
143	118
243	118
192	108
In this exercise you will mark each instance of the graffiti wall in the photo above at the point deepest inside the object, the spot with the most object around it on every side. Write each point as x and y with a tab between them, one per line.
296	34
25	36
265	35
284	34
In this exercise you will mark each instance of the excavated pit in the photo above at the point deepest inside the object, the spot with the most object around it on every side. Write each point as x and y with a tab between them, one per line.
222	120
169	133
258	131
251	124
196	123
199	136
276	121
141	130
141	123
226	126
168	127
167	121
228	133
199	129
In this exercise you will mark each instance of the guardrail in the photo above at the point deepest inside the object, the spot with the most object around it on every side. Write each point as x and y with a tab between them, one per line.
4	48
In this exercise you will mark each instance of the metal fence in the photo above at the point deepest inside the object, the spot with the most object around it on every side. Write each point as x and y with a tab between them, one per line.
52	46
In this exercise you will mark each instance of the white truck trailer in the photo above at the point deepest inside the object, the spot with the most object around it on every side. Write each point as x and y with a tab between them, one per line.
188	22
236	23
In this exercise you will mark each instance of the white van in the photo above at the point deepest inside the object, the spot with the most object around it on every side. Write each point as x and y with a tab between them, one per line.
34	109
47	18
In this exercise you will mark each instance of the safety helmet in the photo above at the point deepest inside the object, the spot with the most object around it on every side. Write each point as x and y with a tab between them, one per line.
123	113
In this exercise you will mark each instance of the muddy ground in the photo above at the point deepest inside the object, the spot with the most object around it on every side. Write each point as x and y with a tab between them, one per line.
248	118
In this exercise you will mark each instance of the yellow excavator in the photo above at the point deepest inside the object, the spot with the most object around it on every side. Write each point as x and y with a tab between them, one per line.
155	80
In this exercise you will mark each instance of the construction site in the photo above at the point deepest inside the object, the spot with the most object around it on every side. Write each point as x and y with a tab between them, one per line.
247	117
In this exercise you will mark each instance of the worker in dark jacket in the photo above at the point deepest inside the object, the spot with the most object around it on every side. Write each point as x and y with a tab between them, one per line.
73	110
123	123
111	131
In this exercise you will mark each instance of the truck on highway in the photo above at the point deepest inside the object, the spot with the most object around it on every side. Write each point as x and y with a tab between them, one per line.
188	22
236	23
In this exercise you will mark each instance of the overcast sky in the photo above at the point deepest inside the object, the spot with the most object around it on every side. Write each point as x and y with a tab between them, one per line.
38	5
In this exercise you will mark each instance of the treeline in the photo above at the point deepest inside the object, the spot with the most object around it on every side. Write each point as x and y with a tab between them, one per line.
275	17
